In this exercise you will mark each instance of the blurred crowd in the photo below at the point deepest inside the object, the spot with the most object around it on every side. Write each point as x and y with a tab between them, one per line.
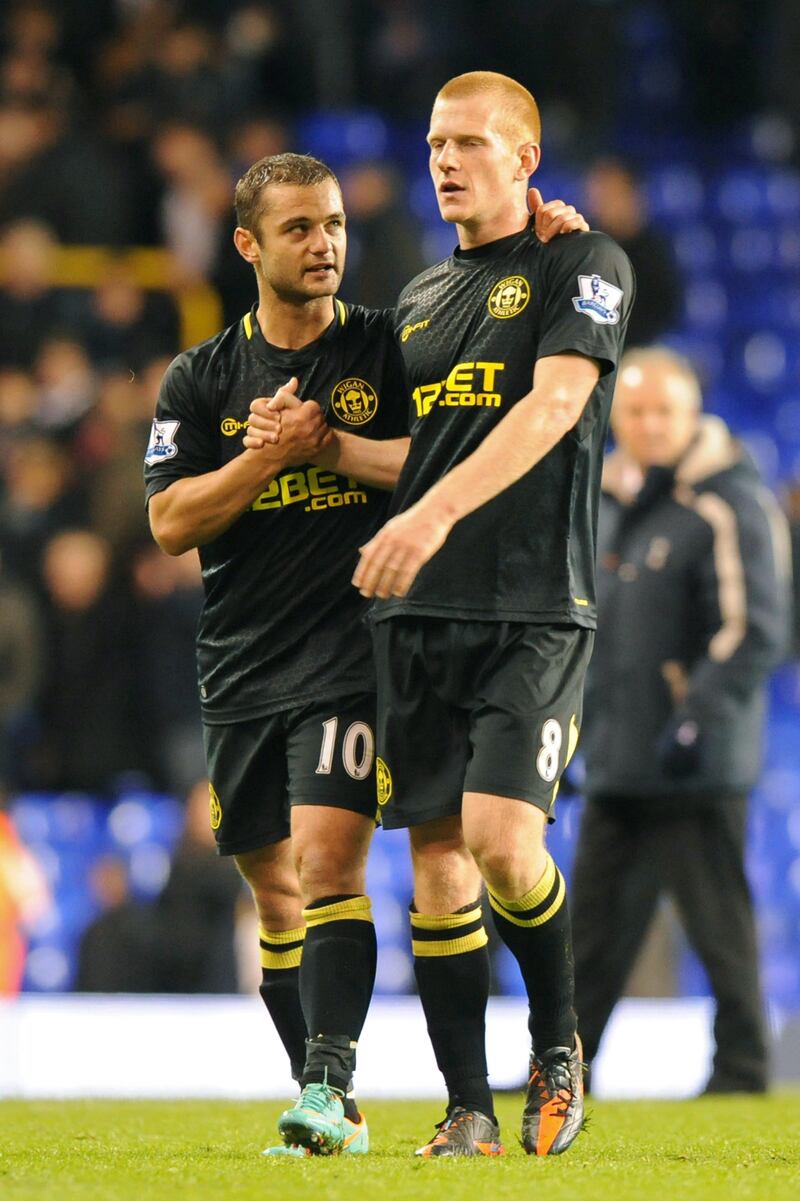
125	123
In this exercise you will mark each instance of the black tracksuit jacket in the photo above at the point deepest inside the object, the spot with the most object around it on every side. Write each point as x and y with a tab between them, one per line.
693	614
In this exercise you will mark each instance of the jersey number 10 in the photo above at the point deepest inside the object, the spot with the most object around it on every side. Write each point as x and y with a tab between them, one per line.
358	749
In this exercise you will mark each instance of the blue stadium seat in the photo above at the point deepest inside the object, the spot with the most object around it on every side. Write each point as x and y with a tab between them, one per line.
341	138
741	196
706	304
675	193
697	248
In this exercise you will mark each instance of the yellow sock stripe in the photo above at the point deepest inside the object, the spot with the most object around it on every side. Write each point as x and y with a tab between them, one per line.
278	937
356	909
276	960
450	946
504	907
540	892
445	921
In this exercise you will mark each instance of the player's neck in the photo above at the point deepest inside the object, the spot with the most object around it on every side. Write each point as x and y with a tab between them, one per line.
480	233
292	326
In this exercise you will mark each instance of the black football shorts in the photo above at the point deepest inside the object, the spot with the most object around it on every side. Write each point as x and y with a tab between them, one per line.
474	706
320	754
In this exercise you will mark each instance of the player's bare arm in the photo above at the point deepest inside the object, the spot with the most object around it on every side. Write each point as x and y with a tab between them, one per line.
562	385
367	460
553	217
197	509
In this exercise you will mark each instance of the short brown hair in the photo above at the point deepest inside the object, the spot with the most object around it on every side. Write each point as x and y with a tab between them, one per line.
300	169
519	112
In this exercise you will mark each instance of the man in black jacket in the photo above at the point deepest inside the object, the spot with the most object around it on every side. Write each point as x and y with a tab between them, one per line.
692	616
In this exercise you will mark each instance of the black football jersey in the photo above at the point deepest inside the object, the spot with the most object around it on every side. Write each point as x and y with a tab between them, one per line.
471	329
281	623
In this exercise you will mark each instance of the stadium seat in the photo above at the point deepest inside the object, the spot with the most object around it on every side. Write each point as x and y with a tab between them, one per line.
340	138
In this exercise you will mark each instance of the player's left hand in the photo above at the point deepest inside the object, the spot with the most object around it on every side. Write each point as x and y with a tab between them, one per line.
391	560
554	217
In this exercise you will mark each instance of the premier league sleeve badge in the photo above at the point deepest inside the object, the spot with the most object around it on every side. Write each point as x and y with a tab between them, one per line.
162	445
598	299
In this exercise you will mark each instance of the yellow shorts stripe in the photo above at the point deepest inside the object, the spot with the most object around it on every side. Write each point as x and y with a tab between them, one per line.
356	909
445	921
281	959
450	946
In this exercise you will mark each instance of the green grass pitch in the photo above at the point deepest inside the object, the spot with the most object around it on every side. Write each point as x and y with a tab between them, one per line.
726	1148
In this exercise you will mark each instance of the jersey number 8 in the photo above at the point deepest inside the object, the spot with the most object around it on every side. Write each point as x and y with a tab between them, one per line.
547	759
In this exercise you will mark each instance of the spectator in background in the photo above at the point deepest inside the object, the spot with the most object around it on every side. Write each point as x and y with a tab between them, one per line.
90	734
67	382
116	949
405	48
31	308
578	74
196	910
268	62
692	617
64	177
108	454
195	211
41	498
19	402
20	669
126	325
616	202
168	597
383	240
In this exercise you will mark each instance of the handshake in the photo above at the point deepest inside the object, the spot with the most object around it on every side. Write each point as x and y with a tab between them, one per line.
294	428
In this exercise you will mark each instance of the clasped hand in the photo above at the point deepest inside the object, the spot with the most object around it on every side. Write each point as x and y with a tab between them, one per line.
295	428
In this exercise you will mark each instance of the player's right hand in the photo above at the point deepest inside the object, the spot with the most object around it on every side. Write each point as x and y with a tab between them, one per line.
264	423
295	428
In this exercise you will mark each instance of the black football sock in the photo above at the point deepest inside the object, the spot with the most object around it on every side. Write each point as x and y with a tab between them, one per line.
337	975
536	929
451	964
281	951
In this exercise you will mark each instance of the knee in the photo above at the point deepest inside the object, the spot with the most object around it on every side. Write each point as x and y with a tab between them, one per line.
326	871
278	908
276	892
509	869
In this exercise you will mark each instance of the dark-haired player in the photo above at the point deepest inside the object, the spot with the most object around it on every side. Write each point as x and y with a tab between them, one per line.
485	578
286	677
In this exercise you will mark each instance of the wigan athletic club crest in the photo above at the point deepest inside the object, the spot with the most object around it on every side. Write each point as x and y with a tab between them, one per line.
354	401
162	444
598	300
509	297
